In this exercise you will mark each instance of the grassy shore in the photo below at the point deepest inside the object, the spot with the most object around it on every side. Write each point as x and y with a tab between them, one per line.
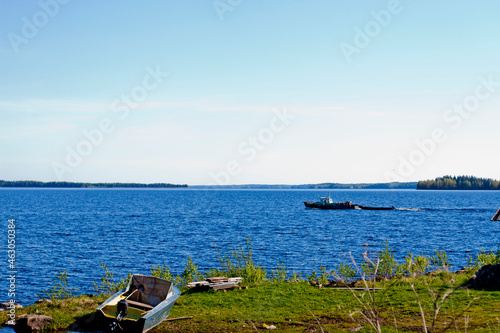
380	294
301	307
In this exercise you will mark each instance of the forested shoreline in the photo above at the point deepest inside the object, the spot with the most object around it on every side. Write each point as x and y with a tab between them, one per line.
459	183
440	183
32	183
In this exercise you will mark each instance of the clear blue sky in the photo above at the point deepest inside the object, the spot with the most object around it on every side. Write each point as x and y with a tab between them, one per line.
364	82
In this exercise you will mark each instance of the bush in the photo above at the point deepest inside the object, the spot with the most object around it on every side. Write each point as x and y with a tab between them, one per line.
190	273
213	272
483	258
345	272
388	266
417	264
279	275
312	277
296	277
240	263
60	289
162	272
107	285
440	259
323	279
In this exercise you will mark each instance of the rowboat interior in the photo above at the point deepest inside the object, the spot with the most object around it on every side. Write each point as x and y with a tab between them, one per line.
142	295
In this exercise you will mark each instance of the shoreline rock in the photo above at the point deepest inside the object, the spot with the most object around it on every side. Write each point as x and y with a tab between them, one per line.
32	323
487	277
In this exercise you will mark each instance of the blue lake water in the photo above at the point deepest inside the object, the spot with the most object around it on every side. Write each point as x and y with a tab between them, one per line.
131	230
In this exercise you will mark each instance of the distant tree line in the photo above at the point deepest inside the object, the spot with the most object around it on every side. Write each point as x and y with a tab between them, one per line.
459	183
365	186
32	183
323	186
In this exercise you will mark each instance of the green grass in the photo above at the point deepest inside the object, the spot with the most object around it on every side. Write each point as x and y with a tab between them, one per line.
419	284
300	307
63	311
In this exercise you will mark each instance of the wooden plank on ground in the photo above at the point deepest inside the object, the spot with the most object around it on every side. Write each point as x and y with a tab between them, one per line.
223	285
217	279
197	284
209	282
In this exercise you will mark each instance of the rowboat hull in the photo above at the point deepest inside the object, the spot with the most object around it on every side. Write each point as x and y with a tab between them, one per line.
141	316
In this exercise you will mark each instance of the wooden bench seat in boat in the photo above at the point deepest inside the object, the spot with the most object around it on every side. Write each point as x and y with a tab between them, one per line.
140	305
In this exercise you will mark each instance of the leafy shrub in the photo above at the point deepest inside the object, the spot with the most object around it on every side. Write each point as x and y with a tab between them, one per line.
417	264
323	279
279	275
296	277
60	289
367	269
190	273
388	266
345	272
240	263
107	285
213	272
162	272
483	258
313	276
440	259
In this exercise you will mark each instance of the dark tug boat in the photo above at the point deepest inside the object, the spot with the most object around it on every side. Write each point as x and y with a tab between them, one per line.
327	203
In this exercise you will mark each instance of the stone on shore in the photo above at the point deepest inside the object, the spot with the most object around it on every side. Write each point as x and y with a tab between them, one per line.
32	323
488	277
8	305
43	300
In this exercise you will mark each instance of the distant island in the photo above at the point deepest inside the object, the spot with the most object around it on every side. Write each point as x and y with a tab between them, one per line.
32	183
459	183
321	186
440	183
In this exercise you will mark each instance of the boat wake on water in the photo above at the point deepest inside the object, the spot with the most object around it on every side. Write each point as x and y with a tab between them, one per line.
444	209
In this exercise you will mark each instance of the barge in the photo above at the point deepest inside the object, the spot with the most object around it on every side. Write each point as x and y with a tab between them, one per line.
327	203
